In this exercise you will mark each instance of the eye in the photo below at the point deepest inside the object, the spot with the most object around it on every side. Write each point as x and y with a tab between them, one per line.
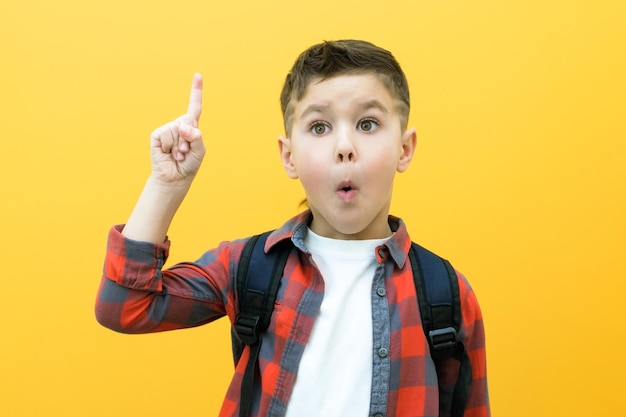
367	125
319	128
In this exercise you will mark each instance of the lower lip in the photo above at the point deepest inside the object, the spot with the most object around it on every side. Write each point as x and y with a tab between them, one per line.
347	195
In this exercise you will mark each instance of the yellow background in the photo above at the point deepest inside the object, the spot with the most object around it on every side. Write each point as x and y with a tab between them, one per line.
519	180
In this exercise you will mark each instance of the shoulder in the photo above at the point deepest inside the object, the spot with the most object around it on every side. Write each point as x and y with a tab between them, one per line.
472	318
466	291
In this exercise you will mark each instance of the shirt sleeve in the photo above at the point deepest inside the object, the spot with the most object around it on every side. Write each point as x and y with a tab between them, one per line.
473	333
137	295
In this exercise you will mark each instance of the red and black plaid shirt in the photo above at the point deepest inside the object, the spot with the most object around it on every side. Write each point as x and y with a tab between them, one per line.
138	296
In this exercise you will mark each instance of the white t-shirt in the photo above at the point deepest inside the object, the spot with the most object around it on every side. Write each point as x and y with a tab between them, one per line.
335	373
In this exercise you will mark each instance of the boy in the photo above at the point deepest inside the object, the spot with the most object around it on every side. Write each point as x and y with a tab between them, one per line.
345	338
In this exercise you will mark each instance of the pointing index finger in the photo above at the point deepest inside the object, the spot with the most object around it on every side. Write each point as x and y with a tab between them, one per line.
195	99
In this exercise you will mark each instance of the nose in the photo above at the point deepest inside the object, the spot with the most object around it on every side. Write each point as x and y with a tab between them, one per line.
345	151
345	156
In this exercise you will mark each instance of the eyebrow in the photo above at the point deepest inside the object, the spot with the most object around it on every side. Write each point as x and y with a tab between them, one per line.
374	104
314	108
366	105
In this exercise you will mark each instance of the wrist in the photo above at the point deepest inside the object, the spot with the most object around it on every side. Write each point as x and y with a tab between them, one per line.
168	188
153	213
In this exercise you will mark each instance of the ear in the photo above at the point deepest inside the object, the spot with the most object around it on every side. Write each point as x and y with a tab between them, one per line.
409	142
284	146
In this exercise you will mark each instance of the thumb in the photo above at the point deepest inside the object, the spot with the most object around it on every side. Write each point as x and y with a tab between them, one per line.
190	138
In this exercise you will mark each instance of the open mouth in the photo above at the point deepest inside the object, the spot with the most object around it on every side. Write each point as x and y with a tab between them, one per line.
346	191
345	186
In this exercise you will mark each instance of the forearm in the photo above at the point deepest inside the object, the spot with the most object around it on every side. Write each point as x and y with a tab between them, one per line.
137	296
132	311
155	210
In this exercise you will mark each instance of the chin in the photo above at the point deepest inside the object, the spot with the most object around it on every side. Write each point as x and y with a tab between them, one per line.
346	224
357	230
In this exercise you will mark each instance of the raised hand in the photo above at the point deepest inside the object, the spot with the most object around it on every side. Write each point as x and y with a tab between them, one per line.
177	151
177	148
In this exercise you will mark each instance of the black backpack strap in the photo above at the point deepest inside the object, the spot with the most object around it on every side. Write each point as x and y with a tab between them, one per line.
439	301
257	282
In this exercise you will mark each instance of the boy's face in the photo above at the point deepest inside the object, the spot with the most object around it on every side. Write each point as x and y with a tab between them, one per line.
346	145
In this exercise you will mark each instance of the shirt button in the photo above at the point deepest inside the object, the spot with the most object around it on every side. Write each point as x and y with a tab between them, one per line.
381	291
381	253
383	352
379	415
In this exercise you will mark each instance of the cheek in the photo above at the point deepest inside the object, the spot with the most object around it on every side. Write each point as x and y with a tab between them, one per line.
312	176
384	178
383	169
385	159
311	171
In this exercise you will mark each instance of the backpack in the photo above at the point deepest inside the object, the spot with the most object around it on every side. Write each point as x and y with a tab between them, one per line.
436	284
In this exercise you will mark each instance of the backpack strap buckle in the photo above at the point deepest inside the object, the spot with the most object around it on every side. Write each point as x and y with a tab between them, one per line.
247	327
443	343
443	339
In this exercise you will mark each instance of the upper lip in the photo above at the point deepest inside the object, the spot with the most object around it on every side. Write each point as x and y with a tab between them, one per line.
345	186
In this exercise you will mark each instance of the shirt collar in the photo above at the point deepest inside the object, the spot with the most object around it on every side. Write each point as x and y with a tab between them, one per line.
398	244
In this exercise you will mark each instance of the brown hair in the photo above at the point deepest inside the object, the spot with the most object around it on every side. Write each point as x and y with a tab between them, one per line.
331	58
